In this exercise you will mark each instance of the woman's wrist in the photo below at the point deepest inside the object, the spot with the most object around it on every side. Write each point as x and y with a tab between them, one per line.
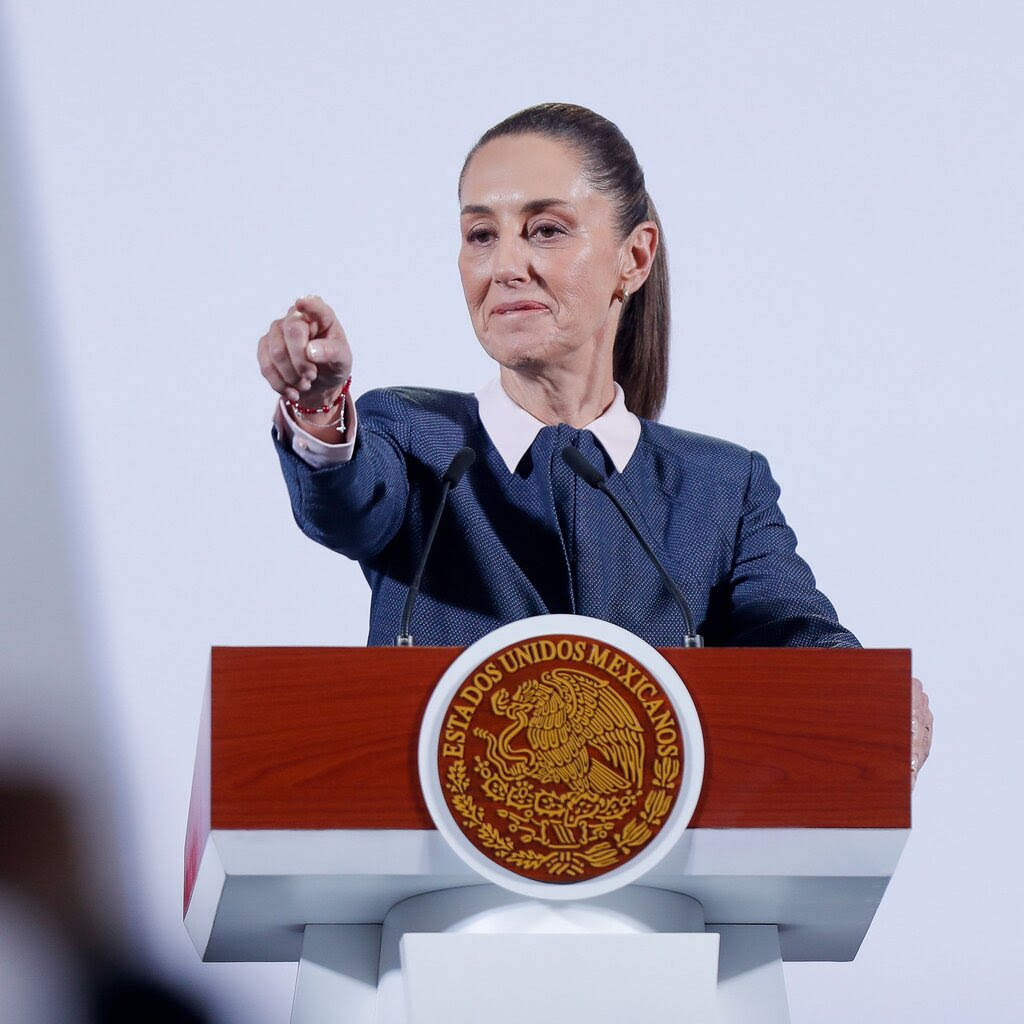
315	401
323	416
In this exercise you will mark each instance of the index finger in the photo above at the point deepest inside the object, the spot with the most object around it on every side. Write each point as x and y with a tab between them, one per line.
314	309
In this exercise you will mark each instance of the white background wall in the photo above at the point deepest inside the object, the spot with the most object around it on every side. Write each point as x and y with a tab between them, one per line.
841	190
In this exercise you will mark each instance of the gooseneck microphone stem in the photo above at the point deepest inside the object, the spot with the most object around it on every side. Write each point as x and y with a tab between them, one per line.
404	639
461	461
579	464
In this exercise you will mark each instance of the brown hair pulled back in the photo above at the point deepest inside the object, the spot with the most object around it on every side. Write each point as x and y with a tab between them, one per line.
610	164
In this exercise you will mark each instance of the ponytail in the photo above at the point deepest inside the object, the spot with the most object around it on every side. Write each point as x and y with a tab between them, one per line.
642	338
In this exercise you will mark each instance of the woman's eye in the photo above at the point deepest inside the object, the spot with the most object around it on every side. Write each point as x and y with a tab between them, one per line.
480	236
547	231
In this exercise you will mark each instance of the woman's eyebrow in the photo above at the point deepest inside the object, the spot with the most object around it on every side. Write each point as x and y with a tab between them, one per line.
533	206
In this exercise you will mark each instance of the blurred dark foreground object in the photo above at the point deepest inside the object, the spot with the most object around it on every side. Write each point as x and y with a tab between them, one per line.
118	997
40	871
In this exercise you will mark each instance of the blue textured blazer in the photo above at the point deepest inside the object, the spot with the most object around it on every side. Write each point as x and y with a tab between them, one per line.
540	540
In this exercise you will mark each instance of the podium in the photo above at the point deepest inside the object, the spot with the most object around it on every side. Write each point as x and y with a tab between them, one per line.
308	838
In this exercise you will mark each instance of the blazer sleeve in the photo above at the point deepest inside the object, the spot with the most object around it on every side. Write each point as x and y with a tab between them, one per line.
774	599
355	507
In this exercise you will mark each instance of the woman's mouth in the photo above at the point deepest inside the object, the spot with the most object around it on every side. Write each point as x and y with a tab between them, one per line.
518	307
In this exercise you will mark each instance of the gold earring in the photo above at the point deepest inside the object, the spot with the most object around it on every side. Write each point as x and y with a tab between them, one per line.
625	294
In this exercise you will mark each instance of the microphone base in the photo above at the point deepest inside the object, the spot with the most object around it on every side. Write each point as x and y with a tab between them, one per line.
693	641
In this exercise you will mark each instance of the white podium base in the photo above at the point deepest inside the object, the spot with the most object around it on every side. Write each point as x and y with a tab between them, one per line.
337	976
480	953
751	985
515	979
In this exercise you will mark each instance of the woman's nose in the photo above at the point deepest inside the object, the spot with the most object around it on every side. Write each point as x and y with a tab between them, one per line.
511	260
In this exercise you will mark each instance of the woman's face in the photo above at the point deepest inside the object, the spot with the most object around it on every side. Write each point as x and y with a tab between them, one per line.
541	262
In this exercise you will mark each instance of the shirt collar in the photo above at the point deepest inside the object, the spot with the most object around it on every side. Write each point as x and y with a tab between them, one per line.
512	429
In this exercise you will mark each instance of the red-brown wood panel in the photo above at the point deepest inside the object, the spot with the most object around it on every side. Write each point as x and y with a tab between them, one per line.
325	738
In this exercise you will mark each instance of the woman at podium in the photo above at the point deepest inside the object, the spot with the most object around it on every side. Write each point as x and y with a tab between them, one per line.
563	265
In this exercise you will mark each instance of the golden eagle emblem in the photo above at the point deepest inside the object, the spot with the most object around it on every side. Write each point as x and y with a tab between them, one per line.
559	771
578	732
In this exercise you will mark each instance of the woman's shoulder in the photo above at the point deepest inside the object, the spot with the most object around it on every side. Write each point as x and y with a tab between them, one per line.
417	402
696	452
421	418
713	472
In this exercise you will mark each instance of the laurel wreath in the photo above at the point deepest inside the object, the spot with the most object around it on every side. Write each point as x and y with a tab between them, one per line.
635	833
666	771
639	830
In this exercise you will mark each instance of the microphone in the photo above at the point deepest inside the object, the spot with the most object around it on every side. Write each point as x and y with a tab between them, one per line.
578	463
450	478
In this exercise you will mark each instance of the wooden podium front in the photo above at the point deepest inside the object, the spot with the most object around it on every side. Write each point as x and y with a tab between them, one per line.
306	807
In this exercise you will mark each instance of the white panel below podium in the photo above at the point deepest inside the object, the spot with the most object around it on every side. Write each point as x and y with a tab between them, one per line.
461	956
257	890
512	979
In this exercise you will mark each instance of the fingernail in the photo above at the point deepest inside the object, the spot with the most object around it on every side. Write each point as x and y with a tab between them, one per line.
314	351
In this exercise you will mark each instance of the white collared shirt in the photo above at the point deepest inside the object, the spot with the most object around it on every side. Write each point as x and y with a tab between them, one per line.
511	429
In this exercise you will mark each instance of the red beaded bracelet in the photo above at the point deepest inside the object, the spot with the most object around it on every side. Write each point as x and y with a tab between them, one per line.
321	408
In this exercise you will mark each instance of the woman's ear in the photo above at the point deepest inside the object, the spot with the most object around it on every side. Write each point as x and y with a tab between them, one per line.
638	253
